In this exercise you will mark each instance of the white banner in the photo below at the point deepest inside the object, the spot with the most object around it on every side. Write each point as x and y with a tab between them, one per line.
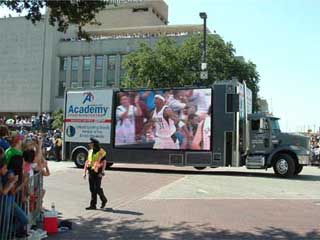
88	114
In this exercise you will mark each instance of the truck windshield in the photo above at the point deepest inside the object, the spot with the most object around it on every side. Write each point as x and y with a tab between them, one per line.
275	126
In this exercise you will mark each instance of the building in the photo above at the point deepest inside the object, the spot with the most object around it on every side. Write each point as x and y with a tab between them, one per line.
38	63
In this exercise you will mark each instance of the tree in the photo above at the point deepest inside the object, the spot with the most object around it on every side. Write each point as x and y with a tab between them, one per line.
62	13
172	65
57	119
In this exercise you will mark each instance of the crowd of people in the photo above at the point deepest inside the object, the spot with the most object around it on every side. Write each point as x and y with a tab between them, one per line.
315	148
173	119
43	120
23	160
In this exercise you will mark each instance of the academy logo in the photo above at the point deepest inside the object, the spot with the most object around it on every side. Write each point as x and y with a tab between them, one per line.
88	97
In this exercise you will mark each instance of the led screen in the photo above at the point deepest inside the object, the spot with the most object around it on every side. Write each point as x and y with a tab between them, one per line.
165	119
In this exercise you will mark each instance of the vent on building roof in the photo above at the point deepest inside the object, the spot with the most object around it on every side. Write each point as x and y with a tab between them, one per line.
140	9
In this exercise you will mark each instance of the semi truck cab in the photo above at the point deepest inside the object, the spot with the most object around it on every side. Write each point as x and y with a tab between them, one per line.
270	147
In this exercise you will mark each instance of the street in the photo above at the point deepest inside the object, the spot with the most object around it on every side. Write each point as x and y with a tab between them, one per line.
164	202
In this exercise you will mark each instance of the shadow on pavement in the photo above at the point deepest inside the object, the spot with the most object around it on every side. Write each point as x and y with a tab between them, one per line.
111	210
104	228
301	177
270	174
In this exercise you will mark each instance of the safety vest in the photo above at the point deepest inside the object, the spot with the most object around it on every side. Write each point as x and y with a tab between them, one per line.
93	158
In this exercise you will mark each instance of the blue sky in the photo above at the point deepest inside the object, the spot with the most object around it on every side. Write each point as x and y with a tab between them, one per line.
281	37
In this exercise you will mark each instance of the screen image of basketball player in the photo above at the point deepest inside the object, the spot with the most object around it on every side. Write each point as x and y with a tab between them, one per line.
164	119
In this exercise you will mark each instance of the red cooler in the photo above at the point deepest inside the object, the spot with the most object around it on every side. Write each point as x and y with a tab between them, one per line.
50	223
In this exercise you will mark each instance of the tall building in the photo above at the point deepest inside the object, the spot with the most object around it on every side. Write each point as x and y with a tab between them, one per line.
38	63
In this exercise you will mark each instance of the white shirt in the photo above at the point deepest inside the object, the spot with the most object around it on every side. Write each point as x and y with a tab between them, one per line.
206	133
164	128
202	99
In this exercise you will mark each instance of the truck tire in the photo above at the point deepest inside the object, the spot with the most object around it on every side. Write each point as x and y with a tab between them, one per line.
79	157
200	168
298	170
284	165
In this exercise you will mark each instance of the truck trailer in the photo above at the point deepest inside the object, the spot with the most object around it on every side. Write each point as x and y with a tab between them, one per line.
191	126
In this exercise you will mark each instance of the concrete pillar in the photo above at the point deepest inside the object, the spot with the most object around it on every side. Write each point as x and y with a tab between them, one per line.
104	71
118	68
80	71
92	70
56	78
68	77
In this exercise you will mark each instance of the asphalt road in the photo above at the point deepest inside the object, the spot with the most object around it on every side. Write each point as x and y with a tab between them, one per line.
162	202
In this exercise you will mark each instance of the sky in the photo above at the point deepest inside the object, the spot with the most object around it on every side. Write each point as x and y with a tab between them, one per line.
281	37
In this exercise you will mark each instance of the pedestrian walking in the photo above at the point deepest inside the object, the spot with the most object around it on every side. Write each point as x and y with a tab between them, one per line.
58	146
96	165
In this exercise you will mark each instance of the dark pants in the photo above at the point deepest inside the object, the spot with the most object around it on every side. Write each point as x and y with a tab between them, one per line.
58	153
95	188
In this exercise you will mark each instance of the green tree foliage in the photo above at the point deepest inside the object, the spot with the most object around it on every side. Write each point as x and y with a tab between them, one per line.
172	65
62	13
57	119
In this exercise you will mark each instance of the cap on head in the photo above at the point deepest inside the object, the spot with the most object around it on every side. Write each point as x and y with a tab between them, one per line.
94	140
159	97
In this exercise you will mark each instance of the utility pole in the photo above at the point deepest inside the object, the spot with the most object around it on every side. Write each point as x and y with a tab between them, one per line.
42	63
204	70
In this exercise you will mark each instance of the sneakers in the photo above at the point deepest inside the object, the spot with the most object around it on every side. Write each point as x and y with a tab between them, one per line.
103	204
91	208
37	234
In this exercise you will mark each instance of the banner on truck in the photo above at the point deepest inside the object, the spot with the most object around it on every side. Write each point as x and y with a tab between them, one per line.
88	114
168	119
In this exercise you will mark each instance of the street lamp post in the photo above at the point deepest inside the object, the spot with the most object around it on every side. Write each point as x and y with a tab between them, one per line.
204	72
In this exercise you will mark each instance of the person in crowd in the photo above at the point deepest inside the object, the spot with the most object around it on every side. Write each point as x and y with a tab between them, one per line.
96	165
10	186
14	158
192	126
58	147
177	101
125	116
202	138
4	134
200	98
6	197
139	119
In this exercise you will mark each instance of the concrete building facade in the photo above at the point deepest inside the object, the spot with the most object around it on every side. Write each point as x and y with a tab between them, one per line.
37	63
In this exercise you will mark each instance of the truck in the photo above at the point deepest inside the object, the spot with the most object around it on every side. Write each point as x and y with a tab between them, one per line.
192	126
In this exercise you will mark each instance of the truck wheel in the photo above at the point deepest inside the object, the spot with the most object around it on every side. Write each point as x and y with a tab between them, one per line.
298	170
284	165
200	168
79	157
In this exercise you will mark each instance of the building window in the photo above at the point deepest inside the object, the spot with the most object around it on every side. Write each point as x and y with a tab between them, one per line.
62	75
74	70
111	74
122	69
98	71
86	72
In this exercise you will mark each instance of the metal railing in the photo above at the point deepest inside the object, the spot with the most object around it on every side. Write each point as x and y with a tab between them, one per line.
15	206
